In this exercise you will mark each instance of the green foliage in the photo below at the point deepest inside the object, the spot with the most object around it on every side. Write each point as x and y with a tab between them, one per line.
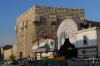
1	59
12	56
20	59
24	58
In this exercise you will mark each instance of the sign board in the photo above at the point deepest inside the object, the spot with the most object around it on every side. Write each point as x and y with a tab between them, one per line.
28	55
43	45
67	29
42	50
44	55
58	58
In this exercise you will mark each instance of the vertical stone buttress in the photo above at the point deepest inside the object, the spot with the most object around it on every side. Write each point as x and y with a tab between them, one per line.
26	33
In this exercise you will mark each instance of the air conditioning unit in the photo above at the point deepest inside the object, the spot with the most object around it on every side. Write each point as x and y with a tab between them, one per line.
36	18
53	19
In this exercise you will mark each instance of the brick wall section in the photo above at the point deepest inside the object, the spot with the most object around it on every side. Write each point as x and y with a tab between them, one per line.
7	53
26	35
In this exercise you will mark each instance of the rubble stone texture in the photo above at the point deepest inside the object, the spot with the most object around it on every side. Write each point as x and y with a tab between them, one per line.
14	49
38	22
7	53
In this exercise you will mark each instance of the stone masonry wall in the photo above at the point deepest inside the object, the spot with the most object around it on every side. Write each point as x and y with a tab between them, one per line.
14	50
44	28
36	30
2	53
25	35
7	53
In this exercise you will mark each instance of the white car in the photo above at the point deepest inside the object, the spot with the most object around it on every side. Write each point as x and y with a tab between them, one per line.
94	59
22	63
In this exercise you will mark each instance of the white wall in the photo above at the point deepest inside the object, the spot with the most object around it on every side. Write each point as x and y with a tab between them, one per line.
91	38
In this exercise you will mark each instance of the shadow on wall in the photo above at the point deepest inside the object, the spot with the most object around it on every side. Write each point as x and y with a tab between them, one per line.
2	56
83	44
86	43
89	46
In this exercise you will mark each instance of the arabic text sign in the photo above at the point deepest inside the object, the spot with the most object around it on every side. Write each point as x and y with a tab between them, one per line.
41	49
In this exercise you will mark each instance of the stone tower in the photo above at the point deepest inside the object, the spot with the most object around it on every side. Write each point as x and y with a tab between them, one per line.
41	21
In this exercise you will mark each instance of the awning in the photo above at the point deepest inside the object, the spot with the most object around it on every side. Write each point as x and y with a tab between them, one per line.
49	38
35	41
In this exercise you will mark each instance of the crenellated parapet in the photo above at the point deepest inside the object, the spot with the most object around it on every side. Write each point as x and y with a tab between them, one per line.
42	13
49	8
55	8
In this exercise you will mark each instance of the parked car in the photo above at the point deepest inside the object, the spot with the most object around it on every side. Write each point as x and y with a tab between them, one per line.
10	62
14	62
93	58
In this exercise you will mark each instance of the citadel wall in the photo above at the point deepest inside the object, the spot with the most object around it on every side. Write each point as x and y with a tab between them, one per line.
7	53
14	50
29	28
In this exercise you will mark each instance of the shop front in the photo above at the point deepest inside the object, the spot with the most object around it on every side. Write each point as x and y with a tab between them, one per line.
43	47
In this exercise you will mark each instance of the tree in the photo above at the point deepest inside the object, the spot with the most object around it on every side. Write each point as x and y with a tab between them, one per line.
12	56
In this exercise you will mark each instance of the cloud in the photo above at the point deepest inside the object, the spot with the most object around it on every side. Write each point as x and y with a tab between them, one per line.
7	41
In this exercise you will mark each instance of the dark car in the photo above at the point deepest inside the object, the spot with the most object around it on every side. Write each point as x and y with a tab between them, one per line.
14	62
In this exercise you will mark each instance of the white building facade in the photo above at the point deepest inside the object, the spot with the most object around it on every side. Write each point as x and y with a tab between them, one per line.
88	42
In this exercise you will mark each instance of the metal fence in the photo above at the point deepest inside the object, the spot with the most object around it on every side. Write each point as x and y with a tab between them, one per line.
69	62
83	63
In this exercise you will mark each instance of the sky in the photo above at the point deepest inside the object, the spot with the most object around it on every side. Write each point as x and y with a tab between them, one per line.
11	9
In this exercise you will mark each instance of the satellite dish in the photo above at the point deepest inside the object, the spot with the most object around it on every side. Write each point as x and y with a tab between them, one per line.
66	29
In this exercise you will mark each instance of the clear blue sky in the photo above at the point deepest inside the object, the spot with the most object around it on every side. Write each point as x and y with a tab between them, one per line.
11	9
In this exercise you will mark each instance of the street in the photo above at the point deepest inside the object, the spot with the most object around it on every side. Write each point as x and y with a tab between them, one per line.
7	65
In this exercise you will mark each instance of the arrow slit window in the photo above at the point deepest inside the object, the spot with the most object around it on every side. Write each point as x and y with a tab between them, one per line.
22	25
85	39
26	23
